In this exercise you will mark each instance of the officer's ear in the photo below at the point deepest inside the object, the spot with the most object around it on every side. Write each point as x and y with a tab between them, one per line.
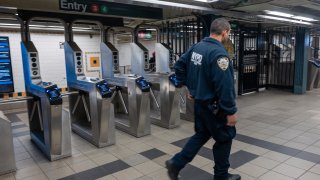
227	32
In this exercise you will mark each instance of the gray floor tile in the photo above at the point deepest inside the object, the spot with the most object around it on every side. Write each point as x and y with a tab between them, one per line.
152	153
308	156
181	142
206	153
240	158
191	172
99	171
287	150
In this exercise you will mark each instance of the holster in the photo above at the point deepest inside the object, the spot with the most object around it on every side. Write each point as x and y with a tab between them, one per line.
218	112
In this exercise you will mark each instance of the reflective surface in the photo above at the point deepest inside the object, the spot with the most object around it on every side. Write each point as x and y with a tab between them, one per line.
7	156
167	114
132	105
49	128
91	111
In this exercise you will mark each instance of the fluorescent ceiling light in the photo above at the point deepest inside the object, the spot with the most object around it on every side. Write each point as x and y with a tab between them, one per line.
174	4
287	15
284	19
277	13
304	18
39	27
6	24
207	1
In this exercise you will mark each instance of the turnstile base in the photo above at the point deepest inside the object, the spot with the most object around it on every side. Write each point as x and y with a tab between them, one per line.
7	172
187	117
86	133
157	121
123	124
39	142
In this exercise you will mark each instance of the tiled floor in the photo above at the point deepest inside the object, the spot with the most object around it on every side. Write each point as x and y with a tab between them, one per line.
278	139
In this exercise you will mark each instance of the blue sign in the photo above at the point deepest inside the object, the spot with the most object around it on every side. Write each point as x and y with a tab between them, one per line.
6	78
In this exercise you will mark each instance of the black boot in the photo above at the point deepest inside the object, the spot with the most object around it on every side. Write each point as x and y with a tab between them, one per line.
230	177
173	172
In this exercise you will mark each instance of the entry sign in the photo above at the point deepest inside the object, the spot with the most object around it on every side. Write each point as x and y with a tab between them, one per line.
110	8
6	79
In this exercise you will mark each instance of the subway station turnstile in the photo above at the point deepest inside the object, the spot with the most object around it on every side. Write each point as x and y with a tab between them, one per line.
186	106
49	126
165	108
91	110
131	100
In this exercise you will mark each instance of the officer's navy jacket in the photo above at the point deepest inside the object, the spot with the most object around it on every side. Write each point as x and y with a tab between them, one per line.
208	73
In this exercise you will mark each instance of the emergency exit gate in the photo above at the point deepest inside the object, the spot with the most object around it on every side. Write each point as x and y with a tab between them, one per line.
281	57
266	59
263	57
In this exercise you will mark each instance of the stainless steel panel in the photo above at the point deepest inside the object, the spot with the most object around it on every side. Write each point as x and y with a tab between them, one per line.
137	121
187	108
168	115
92	116
46	120
7	163
137	60
162	58
132	106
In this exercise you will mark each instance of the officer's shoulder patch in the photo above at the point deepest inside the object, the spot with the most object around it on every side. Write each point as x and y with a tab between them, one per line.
223	63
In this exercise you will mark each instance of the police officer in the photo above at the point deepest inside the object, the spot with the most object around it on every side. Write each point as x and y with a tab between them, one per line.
207	71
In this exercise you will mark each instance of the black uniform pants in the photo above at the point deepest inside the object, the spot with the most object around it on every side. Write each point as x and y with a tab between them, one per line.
208	125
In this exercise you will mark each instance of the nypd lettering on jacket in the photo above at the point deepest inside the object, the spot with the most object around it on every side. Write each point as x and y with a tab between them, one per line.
196	58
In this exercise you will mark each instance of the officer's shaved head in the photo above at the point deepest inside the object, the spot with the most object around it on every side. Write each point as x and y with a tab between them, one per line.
219	25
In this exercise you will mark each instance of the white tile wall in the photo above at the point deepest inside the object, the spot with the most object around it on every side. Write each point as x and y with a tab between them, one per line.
124	54
52	62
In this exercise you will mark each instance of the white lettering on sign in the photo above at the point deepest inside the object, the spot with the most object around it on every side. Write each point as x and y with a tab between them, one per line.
73	6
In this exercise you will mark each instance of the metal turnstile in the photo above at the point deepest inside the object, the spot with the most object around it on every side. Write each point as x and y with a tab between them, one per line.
91	110
7	163
49	126
186	106
131	100
165	109
313	74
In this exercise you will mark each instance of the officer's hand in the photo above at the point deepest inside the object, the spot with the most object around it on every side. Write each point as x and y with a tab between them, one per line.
189	96
232	120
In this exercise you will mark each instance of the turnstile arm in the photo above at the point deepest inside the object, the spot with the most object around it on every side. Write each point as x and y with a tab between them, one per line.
81	97
76	105
11	100
36	105
86	108
154	98
182	99
122	102
69	93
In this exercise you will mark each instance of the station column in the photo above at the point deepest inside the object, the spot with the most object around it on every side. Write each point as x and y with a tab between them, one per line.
301	60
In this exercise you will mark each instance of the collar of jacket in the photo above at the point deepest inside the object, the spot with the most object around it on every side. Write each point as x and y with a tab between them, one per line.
212	40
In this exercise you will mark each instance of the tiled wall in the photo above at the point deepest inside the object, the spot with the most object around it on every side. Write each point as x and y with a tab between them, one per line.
52	62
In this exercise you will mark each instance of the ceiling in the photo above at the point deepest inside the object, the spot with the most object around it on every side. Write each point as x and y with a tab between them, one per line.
241	10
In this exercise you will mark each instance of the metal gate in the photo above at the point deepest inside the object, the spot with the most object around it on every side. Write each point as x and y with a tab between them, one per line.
181	35
248	62
281	56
